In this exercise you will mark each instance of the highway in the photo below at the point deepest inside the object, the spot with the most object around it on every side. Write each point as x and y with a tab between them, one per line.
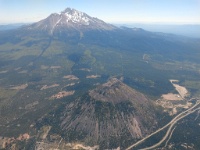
170	129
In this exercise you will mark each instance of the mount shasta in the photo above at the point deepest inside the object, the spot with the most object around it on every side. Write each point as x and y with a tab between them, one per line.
72	81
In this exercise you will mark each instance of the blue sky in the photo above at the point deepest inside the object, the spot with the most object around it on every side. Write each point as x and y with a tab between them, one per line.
112	11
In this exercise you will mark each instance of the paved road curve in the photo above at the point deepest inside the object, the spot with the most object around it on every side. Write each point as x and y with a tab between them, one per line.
170	124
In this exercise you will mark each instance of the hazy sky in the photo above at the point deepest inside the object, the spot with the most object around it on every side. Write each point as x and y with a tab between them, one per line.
113	11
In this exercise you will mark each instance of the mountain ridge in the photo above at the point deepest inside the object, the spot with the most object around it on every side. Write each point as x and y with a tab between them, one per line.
41	65
100	117
70	19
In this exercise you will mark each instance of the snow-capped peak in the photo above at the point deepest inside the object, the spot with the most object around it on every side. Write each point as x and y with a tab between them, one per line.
70	19
76	16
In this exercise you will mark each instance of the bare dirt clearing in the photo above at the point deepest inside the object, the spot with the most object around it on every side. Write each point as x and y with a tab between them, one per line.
183	92
71	77
50	86
20	87
80	146
93	76
171	96
85	69
170	102
180	89
62	94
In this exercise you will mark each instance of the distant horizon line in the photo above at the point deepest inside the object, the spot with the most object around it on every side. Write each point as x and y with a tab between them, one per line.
159	23
119	23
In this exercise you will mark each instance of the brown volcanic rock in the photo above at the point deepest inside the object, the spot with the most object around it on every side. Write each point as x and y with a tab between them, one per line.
111	111
115	91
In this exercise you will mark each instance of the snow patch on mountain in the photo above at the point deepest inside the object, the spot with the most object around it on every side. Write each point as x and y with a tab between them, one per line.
52	29
70	19
76	16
